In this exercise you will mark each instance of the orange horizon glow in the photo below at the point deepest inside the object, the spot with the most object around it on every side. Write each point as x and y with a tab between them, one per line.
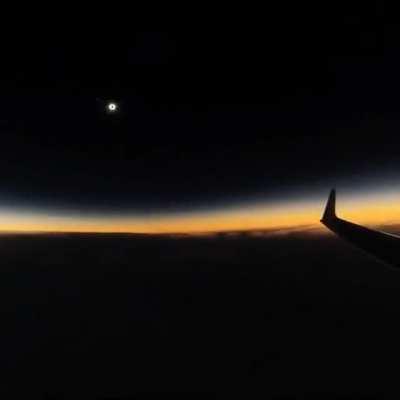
373	211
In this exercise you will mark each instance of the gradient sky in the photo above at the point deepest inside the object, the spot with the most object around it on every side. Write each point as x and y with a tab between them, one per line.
377	207
215	130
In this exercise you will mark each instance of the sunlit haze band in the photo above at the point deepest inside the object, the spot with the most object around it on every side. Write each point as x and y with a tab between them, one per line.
376	208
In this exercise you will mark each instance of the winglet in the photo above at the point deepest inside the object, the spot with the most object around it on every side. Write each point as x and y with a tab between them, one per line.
330	209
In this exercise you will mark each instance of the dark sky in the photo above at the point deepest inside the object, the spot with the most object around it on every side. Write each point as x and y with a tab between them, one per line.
210	113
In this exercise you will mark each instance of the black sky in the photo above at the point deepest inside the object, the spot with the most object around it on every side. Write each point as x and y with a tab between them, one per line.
210	113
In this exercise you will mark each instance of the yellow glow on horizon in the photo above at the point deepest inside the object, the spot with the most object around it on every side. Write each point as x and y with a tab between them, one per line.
369	211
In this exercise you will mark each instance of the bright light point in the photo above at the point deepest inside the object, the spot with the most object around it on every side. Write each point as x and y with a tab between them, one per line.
112	107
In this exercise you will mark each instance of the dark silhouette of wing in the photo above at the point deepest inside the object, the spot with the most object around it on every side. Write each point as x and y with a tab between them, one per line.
384	246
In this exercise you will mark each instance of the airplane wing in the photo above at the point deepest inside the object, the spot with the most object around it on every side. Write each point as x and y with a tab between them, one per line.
384	246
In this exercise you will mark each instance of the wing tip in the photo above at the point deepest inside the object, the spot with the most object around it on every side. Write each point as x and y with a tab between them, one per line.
330	208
